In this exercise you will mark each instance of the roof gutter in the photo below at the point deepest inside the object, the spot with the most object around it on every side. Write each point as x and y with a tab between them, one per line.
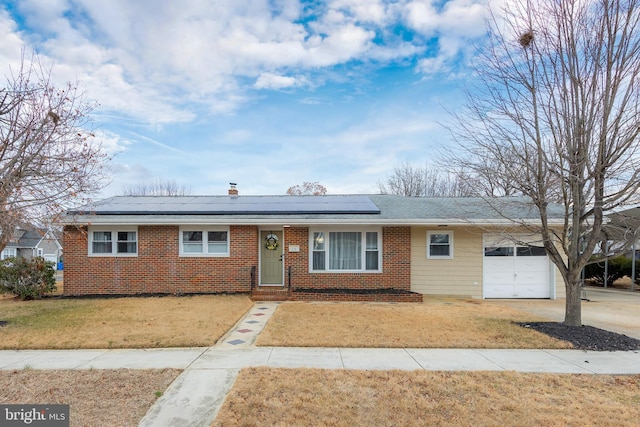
162	220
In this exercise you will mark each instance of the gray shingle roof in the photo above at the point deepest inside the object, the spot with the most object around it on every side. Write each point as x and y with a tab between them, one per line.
29	238
365	209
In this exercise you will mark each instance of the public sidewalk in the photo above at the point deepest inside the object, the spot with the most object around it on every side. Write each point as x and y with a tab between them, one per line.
196	396
553	361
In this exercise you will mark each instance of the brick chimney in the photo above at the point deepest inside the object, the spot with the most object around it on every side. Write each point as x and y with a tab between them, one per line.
233	191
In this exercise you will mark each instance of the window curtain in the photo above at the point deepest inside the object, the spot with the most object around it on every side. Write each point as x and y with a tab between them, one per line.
345	251
127	242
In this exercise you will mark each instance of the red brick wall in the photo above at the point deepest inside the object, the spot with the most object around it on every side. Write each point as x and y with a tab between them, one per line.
158	268
396	263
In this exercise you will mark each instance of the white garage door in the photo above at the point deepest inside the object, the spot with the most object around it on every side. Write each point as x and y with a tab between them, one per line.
515	271
51	258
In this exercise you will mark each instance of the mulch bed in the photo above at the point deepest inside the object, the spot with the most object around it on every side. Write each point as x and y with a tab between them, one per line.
384	291
585	337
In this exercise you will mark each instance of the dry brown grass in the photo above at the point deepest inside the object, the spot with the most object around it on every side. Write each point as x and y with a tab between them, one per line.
437	323
95	398
119	322
315	397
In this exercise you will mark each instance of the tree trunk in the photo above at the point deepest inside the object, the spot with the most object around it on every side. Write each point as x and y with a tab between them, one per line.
573	307
6	229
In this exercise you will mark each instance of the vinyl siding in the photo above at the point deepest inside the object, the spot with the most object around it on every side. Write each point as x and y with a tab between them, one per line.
461	275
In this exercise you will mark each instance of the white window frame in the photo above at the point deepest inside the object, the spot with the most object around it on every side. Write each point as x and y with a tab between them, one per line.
204	230
9	253
363	248
434	232
114	241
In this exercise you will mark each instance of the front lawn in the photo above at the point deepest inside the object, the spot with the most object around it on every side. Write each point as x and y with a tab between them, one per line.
194	321
117	397
310	397
151	322
436	323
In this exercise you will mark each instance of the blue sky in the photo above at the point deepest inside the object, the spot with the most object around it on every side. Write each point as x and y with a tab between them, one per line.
265	93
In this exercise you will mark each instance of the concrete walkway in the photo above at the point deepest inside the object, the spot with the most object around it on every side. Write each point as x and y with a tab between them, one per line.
196	396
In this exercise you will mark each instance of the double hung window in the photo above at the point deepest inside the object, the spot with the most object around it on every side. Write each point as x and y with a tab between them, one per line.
440	244
198	241
113	242
8	253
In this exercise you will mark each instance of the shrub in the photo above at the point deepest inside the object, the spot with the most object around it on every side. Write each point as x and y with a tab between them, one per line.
618	268
27	279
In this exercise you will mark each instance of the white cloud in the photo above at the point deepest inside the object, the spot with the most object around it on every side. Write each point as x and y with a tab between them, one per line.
125	175
46	16
464	18
11	42
312	101
157	143
274	81
434	65
454	18
161	61
345	42
422	16
111	142
455	23
373	11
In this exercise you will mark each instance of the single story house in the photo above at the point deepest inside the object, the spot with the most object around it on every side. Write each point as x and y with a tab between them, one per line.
29	242
331	247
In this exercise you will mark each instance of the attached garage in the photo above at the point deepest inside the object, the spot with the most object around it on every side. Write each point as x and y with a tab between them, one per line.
512	270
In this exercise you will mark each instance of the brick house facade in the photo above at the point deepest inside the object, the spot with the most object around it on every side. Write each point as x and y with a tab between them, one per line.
362	247
158	268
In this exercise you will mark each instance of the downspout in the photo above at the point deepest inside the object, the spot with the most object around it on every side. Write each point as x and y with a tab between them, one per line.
606	263
633	266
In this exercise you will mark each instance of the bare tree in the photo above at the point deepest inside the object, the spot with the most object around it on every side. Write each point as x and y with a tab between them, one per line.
406	180
49	159
158	187
307	189
484	179
410	181
557	113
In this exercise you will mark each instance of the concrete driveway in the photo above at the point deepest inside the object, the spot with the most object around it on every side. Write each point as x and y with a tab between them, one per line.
610	309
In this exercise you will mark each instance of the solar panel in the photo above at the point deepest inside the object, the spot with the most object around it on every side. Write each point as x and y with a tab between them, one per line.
224	205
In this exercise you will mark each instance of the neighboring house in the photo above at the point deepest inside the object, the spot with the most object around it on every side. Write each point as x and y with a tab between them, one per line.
322	247
29	242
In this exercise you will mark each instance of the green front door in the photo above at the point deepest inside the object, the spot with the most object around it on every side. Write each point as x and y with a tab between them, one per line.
271	262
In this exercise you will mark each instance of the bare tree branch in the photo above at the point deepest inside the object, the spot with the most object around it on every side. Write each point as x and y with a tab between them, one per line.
158	187
307	189
557	114
49	158
410	181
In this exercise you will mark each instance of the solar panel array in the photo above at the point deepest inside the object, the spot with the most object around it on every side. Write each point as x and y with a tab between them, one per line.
225	205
